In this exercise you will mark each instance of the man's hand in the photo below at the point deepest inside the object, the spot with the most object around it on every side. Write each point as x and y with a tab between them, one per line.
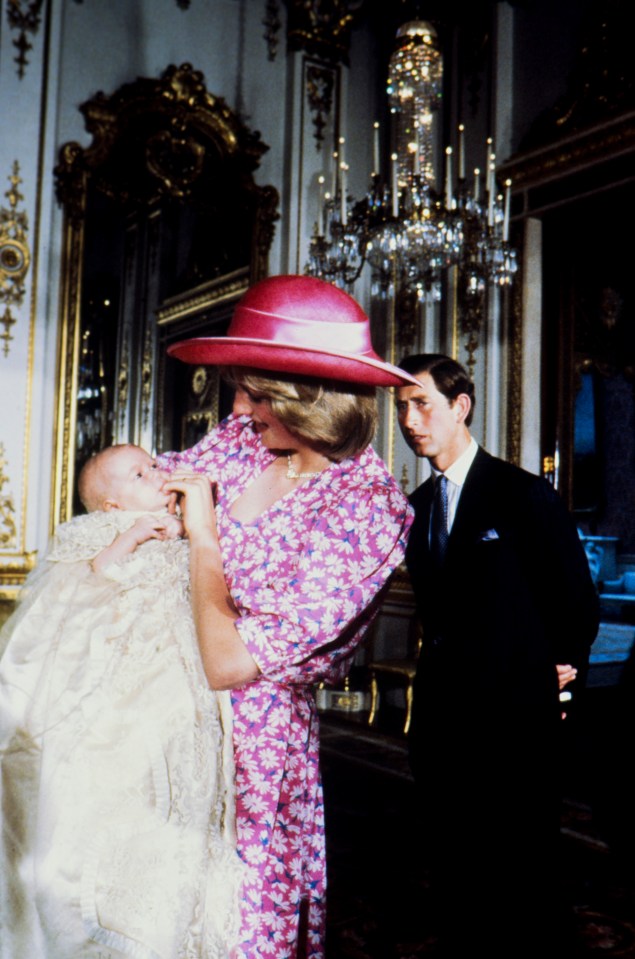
566	674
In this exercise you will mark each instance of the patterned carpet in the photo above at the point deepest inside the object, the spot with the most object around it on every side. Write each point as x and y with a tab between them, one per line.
379	901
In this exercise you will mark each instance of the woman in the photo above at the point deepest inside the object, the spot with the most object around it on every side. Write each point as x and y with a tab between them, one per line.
286	573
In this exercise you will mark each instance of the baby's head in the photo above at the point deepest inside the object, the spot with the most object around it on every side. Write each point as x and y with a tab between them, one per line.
123	477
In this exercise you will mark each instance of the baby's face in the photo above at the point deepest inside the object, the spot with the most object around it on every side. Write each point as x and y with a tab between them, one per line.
135	481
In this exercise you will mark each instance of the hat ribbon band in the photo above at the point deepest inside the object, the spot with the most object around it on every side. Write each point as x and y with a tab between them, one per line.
353	338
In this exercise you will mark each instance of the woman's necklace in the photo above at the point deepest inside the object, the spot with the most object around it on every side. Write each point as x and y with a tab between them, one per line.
293	474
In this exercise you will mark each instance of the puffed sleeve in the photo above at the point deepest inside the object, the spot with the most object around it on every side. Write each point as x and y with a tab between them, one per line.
222	443
304	626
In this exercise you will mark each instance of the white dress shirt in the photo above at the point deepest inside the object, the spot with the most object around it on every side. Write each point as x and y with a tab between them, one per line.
456	475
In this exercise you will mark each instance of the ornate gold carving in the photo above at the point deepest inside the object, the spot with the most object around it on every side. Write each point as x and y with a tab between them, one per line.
264	229
320	82
204	297
123	382
272	25
13	573
7	320
25	19
8	536
147	374
15	255
204	396
322	27
196	125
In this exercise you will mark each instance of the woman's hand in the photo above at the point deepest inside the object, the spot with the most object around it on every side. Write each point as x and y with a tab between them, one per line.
196	502
226	661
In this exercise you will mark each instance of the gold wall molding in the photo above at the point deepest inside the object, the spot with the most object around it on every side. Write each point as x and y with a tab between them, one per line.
8	529
13	572
579	165
15	255
24	18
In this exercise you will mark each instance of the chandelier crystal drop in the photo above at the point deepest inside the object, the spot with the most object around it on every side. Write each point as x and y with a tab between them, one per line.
406	230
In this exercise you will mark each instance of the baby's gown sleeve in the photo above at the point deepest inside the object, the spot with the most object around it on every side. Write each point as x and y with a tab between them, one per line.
116	761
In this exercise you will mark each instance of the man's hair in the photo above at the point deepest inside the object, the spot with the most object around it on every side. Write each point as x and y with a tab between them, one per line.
93	483
450	378
336	419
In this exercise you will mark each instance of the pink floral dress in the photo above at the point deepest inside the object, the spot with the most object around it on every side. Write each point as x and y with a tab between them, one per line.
306	577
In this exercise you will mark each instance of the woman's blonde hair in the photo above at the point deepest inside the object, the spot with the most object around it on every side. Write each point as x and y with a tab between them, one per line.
335	419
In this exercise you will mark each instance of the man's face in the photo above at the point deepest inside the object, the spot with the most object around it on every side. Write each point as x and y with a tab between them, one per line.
431	426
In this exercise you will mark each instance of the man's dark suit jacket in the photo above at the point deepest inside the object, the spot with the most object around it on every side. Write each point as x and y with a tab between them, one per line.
514	597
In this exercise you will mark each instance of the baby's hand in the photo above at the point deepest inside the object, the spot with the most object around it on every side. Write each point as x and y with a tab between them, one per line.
161	527
173	526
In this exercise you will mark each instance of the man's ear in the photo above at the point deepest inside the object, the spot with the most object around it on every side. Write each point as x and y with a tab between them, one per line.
462	406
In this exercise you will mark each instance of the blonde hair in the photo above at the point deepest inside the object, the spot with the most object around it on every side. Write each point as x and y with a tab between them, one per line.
336	419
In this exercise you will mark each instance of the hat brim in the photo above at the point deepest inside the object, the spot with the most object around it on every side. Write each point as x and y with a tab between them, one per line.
289	358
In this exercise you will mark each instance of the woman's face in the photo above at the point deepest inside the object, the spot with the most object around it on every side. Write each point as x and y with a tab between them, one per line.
274	435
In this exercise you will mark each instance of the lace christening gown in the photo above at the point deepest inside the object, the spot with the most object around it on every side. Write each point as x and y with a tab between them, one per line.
118	831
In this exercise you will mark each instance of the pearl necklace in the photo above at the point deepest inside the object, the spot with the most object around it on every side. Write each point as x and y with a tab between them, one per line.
293	474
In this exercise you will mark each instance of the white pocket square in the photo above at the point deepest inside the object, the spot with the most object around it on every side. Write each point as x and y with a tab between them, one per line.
488	535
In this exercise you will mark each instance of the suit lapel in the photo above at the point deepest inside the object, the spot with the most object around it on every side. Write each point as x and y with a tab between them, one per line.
469	512
418	545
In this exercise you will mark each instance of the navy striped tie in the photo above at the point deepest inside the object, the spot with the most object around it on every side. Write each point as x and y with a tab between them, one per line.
439	520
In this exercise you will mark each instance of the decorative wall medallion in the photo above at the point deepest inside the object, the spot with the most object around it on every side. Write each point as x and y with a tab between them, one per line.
15	256
203	414
7	509
320	82
25	18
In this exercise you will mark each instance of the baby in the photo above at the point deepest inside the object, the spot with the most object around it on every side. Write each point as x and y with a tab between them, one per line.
117	767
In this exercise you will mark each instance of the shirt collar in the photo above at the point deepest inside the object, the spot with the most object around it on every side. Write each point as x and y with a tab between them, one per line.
457	472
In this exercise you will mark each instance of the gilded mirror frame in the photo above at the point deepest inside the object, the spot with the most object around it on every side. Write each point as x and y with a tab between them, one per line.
190	124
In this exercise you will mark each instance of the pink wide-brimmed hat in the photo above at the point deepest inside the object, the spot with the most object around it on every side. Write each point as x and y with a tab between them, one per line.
301	326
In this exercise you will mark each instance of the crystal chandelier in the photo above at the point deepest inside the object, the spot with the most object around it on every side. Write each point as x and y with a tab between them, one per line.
407	231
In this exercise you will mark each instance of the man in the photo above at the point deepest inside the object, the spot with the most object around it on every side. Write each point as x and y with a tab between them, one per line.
504	595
